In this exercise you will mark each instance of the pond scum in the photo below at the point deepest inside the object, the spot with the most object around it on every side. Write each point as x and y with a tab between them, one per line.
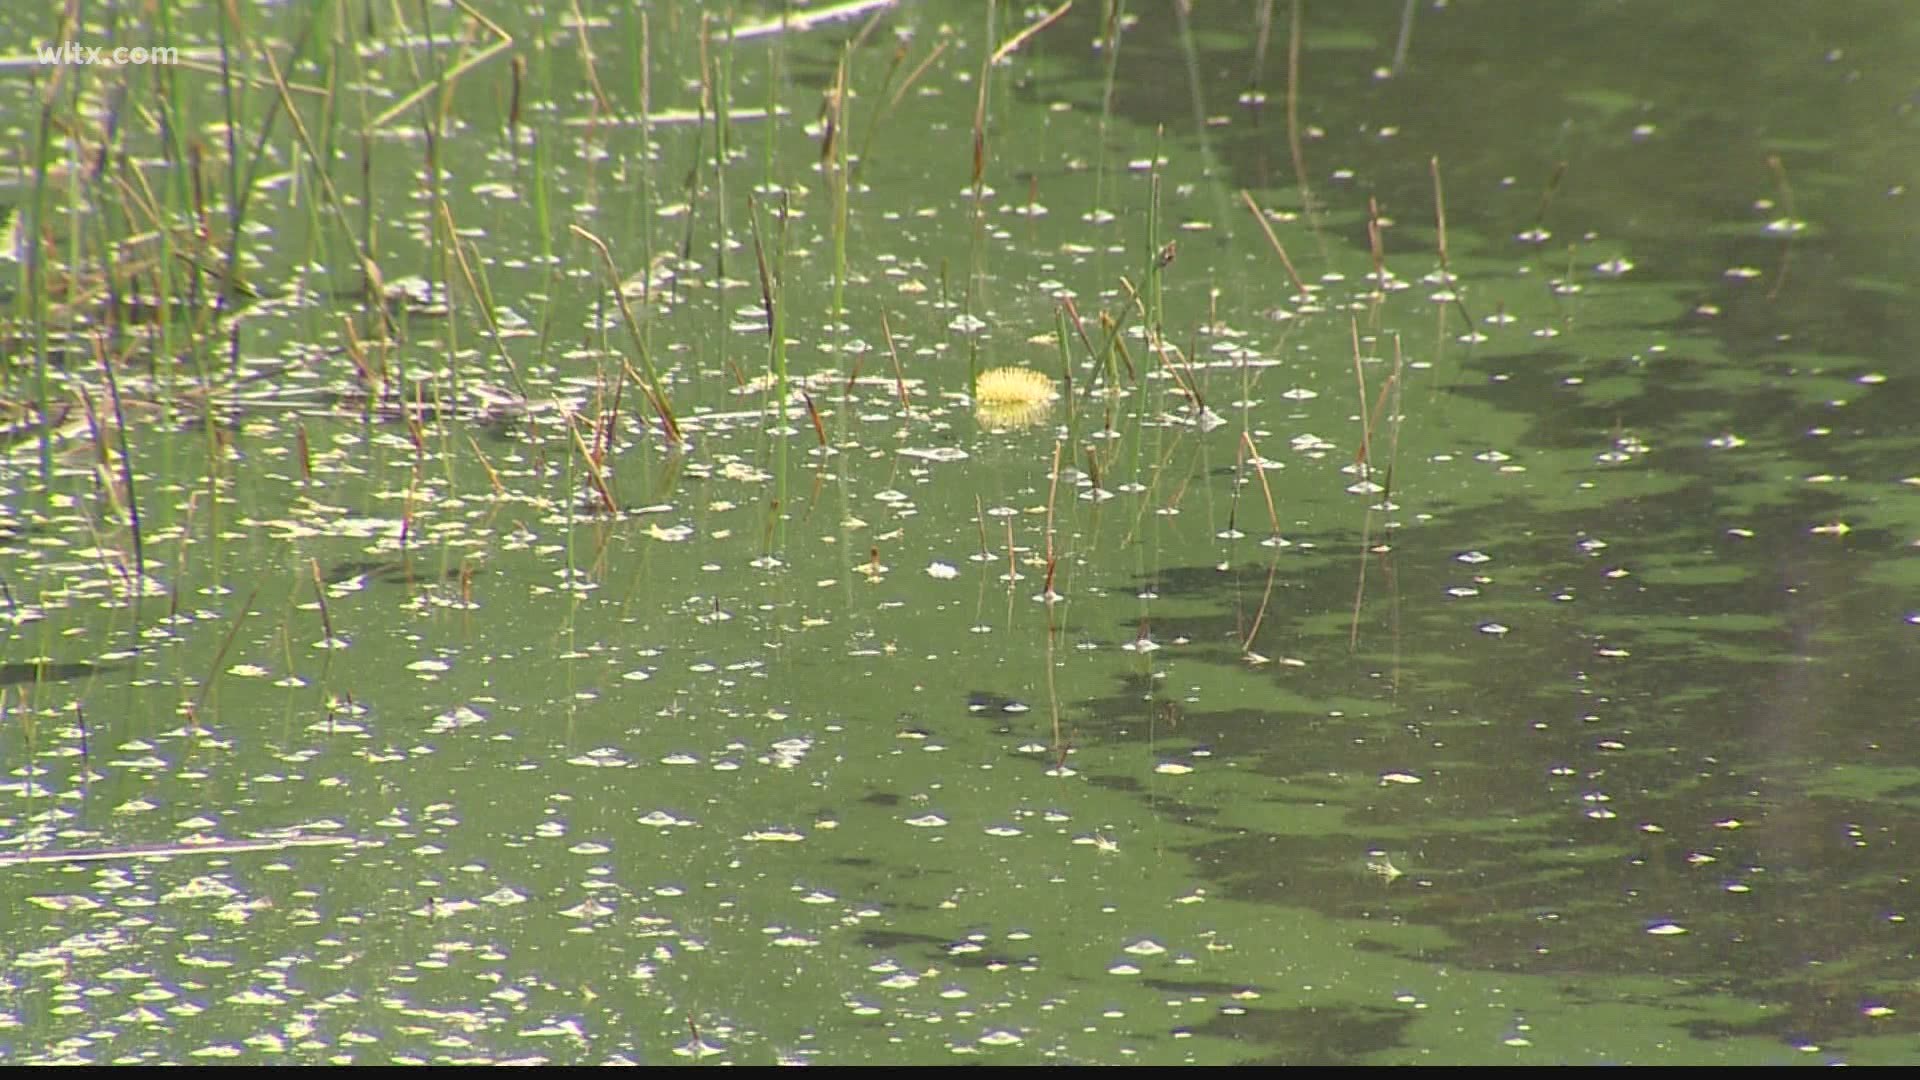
535	319
139	264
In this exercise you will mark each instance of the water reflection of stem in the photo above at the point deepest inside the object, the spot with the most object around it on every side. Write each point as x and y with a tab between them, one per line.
180	556
594	474
722	137
30	728
1405	40
1365	458
838	177
893	353
1011	574
1386	559
1110	45
886	109
320	596
1117	346
1151	278
1013	569
1263	33
219	656
1053	490
1053	689
766	278
1196	94
1274	240
86	770
886	82
1273	568
1394	418
1147	504
980	521
775	58
36	273
1389	400
1364	463
1273	514
326	635
126	464
493	476
976	247
601	101
1376	246
1065	351
1546	196
517	73
646	161
1440	224
1786	204
1293	123
1188	382
406	525
833	162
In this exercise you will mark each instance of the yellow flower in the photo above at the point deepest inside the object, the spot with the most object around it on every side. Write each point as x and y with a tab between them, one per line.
1009	398
1012	386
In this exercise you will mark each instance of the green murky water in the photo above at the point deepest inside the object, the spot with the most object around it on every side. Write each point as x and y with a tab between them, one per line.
1550	706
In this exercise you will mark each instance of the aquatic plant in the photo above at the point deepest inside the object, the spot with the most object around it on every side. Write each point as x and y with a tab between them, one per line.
1010	398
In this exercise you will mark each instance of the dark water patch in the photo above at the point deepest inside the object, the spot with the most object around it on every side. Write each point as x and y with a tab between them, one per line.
1318	1036
389	572
19	673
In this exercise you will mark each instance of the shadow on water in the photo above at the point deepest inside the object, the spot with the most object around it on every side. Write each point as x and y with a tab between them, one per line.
17	674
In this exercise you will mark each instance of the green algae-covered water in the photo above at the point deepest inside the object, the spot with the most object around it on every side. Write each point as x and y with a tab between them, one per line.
516	566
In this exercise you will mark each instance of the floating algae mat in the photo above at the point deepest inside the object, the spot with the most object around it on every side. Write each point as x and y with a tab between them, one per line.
930	532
